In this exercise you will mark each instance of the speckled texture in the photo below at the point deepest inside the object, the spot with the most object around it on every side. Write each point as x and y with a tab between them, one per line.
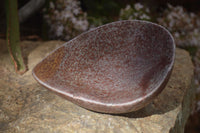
115	68
27	107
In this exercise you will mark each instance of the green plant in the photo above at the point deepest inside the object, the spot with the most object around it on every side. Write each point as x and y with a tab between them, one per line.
135	11
13	36
101	11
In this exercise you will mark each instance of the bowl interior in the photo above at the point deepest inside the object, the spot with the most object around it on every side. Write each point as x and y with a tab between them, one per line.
113	64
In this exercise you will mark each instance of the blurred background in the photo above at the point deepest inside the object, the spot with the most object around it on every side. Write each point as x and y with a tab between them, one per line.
42	20
64	19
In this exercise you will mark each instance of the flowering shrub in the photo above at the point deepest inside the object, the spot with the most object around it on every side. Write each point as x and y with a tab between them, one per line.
65	19
137	11
184	26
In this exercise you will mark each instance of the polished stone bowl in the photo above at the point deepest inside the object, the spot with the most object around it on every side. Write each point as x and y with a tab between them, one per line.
115	68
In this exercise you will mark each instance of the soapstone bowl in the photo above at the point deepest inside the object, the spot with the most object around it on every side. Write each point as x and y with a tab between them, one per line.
115	68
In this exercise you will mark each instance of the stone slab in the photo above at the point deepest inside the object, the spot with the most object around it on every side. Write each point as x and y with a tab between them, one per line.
27	107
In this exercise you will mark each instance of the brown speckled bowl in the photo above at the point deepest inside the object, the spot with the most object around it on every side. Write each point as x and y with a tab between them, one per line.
115	68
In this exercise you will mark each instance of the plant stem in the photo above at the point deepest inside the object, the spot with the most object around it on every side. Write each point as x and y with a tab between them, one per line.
13	36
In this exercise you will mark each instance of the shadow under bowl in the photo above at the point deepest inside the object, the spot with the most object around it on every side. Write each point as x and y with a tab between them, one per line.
115	68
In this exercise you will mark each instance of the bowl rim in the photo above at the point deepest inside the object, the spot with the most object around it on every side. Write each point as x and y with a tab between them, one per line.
154	91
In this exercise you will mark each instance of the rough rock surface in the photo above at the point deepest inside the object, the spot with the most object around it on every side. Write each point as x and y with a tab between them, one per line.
27	107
